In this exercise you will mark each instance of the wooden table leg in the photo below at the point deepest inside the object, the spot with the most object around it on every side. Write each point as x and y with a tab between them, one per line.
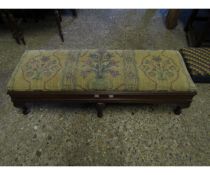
172	18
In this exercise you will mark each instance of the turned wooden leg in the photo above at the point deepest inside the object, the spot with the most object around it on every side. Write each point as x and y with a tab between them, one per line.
23	106
99	108
179	107
25	109
178	110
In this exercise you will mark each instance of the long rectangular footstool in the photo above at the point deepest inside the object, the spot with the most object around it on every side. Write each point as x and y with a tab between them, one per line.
101	77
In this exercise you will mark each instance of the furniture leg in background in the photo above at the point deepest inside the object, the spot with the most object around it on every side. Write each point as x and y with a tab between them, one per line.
13	21
13	24
16	27
198	37
190	20
205	33
172	18
58	21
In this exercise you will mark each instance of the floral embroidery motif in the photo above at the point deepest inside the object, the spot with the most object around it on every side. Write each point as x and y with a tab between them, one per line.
159	68
101	70
100	63
41	68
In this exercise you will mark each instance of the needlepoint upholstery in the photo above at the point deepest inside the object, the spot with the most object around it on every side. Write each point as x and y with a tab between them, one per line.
198	63
101	70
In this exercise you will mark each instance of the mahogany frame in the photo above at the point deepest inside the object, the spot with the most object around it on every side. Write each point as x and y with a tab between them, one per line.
181	100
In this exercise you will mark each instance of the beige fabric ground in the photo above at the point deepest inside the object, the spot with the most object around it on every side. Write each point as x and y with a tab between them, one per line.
101	70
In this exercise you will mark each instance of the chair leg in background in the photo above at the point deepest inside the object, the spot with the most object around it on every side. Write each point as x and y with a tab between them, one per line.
58	21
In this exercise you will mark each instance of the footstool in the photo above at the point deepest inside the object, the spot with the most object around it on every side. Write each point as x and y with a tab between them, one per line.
101	77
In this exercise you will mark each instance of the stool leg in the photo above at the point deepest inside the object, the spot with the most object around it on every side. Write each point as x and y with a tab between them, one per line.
179	107
22	105
178	110
25	109
99	108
